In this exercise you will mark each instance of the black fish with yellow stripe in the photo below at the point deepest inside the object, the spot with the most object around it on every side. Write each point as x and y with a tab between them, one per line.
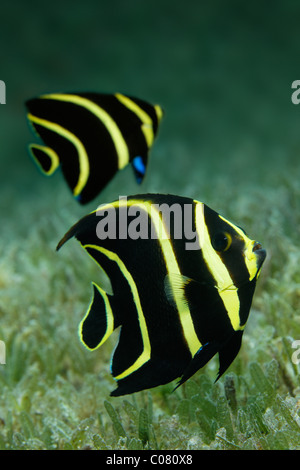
91	136
182	277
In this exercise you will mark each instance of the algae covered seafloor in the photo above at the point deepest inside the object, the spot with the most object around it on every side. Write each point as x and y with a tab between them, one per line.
230	138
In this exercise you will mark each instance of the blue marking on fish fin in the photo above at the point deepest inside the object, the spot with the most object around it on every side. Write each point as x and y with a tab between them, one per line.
139	167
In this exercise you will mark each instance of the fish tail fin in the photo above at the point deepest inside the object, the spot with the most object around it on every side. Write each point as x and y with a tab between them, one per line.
99	321
45	158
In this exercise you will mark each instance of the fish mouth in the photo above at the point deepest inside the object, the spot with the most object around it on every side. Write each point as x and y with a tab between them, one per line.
260	254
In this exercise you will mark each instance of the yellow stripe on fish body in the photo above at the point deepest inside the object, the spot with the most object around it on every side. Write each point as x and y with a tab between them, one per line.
104	117
94	136
171	264
250	259
176	307
147	122
226	289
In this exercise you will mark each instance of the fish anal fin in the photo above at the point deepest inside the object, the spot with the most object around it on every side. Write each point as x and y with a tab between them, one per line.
98	323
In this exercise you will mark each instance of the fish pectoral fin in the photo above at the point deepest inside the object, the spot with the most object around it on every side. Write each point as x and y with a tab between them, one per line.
174	286
202	356
180	288
139	165
98	323
228	352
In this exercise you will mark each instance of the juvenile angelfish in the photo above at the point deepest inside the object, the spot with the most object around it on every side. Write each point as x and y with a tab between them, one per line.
91	136
178	302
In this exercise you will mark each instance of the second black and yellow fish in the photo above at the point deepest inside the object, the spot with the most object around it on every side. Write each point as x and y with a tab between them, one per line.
91	136
183	278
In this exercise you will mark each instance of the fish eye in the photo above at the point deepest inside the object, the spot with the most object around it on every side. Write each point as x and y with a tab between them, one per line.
221	241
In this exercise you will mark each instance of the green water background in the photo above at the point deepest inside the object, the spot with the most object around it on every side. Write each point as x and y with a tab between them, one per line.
221	70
